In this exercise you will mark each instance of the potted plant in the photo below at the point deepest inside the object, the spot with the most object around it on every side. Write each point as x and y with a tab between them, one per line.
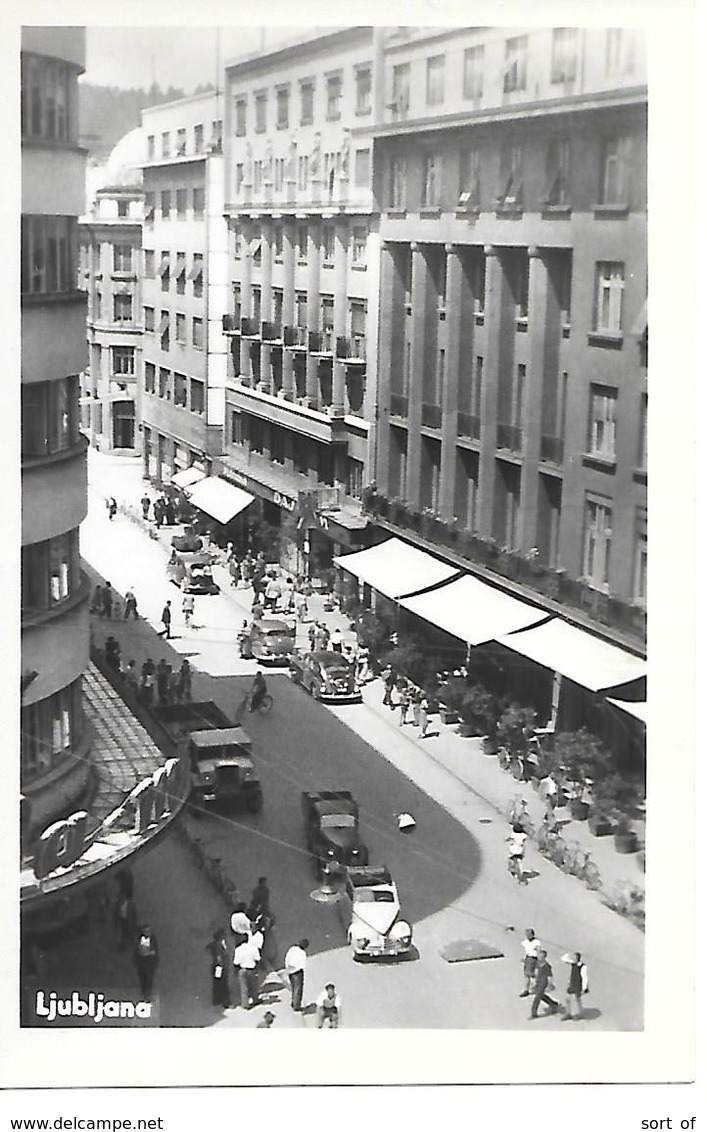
451	696
478	712
515	727
583	760
619	797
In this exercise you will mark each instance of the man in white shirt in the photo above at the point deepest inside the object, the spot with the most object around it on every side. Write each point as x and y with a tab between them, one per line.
516	851
329	1007
245	960
531	946
240	924
295	963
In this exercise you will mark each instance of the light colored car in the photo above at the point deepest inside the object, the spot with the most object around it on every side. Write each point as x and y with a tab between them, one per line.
270	640
371	906
326	675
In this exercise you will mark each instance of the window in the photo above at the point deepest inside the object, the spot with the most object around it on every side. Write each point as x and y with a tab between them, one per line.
149	208
180	330
122	258
515	71
327	312
333	96
151	147
303	172
640	573
181	204
518	396
473	72
180	390
470	179
306	92
164	331
564	55
519	277
615	171
283	108
619	52
435	80
48	87
363	89
123	360
301	308
196	396
511	179
398	182
277	444
198	203
401	90
240	114
279	174
642	458
49	246
302	242
562	277
165	144
49	419
256	429
180	148
122	308
609	297
50	728
602	422
257	176
123	208
199	139
255	300
196	275
278	299
597	542
431	180
98	305
236	428
149	377
277	241
261	108
362	167
557	172
180	272
164	270
149	316
477	276
197	333
165	203
216	135
164	385
359	238
328	240
239	177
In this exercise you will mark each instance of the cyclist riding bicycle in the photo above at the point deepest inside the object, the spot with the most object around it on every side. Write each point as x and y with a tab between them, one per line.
258	691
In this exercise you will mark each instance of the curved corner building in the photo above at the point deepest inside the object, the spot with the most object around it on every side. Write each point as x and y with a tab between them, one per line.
55	631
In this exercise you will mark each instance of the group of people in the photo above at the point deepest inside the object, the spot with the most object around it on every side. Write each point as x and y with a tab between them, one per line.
164	510
140	938
154	683
538	976
106	603
411	701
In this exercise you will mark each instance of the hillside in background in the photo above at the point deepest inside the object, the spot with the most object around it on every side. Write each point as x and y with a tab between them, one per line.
106	113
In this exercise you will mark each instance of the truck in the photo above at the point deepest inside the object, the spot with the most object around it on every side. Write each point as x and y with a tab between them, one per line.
223	771
331	821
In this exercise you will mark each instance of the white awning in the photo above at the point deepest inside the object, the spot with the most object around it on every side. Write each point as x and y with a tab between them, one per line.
395	568
579	656
473	611
639	709
187	477
218	498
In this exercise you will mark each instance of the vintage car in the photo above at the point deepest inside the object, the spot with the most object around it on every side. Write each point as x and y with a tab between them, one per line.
332	830
370	909
326	675
271	640
192	573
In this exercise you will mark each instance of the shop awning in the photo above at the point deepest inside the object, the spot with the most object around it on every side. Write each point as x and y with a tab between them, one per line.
473	611
187	477
579	656
395	568
218	498
638	709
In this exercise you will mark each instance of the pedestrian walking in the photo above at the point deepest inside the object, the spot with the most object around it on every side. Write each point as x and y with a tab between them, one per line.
516	852
125	918
326	635
174	691
260	898
131	677
403	702
363	670
145	504
245	960
337	640
188	608
312	634
301	607
146	956
240	924
130	609
162	676
320	637
577	985
97	601
295	966
542	984
185	681
415	706
220	985
329	1007
158	510
257	609
273	591
388	678
234	571
424	715
108	601
166	621
288	595
531	946
111	507
112	652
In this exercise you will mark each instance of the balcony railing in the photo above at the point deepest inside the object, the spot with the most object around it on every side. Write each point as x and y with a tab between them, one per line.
431	415
352	349
271	332
469	425
398	405
296	337
509	437
231	324
552	449
250	328
321	341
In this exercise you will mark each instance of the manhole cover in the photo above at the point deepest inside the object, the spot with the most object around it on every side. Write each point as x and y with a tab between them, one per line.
463	950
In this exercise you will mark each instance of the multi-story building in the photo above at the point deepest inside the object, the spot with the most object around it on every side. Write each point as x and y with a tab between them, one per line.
111	271
184	287
510	176
303	270
55	744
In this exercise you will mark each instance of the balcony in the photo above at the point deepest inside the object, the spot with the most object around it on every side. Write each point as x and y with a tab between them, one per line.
552	449
271	332
431	415
352	350
231	324
250	328
322	342
469	425
509	437
295	337
398	405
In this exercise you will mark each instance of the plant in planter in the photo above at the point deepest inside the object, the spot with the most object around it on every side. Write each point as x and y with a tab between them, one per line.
451	696
582	759
618	798
515	728
478	712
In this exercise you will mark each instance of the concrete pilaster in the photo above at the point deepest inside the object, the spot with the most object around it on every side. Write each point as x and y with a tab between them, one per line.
313	302
385	347
489	393
420	285
538	289
288	303
341	241
450	341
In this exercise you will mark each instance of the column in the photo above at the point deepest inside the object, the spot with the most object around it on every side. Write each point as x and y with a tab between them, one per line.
385	353
538	290
341	243
489	397
266	382
246	298
313	313
288	304
420	285
450	340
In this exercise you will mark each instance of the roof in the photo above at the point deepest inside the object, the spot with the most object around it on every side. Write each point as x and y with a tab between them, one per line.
335	805
217	736
370	875
329	659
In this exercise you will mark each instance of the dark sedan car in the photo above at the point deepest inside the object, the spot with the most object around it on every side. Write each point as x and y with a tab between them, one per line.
326	675
269	640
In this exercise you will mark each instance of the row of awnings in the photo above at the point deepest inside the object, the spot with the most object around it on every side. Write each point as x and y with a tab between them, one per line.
475	612
213	495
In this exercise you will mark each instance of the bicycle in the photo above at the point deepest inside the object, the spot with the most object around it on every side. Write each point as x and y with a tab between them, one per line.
264	706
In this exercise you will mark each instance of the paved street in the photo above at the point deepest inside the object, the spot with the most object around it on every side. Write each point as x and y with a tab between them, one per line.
451	872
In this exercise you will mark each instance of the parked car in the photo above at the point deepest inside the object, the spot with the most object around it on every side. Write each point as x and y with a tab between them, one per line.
269	640
326	675
192	572
332	829
370	907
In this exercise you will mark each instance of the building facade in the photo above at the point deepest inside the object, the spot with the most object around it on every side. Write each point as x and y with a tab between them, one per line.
55	741
184	287
302	323
510	176
111	272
